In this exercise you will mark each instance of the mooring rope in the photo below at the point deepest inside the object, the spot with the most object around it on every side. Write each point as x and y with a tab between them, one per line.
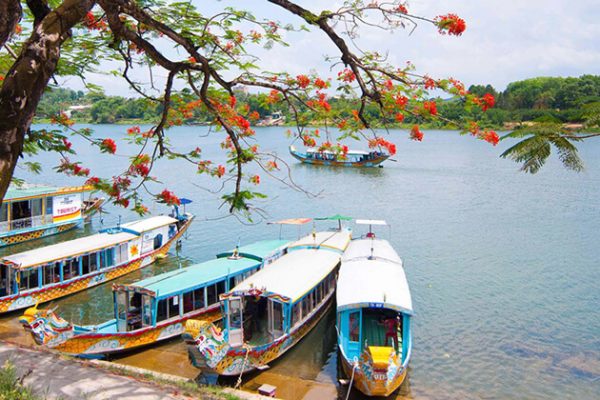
354	366
239	381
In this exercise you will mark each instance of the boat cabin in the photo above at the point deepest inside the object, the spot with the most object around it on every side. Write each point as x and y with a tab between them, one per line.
279	299
355	156
31	207
186	292
373	301
66	262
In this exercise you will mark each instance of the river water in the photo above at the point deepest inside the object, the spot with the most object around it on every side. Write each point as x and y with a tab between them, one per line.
503	266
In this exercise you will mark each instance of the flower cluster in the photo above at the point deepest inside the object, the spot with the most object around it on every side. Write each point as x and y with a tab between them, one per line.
108	146
167	197
430	107
346	75
416	134
381	142
140	166
92	23
72	168
451	24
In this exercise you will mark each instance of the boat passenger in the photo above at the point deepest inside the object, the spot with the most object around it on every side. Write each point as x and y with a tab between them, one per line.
391	325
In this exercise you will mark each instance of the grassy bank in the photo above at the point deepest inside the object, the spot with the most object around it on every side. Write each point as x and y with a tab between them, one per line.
11	387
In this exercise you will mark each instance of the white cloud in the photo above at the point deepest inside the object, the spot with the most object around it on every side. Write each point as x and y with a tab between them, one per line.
506	40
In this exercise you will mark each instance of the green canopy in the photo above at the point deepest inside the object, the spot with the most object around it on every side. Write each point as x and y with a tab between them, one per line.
336	217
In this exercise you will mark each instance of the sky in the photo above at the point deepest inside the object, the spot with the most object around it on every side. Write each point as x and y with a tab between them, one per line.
505	41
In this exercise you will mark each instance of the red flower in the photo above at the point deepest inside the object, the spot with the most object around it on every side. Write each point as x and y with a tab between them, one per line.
451	24
346	75
169	198
416	134
254	115
192	60
491	137
271	165
431	107
255	179
389	85
108	145
401	101
133	130
488	101
303	81
320	83
232	101
92	181
402	9
67	143
18	29
399	117
220	171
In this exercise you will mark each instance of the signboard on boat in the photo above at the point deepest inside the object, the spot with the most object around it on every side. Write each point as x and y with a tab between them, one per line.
66	207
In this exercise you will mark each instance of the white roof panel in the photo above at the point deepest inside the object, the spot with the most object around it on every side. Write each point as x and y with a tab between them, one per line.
371	222
47	254
381	280
294	274
334	239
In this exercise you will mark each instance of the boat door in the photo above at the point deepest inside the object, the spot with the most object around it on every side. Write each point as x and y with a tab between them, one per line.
276	318
235	321
121	310
4	280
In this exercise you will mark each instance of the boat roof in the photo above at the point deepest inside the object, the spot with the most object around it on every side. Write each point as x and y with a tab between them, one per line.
337	240
372	282
292	275
32	190
198	275
258	250
72	248
371	222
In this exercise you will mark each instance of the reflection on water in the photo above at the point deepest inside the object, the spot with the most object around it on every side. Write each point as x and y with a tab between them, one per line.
503	266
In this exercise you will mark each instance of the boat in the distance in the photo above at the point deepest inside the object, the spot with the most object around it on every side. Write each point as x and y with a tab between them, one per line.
156	308
35	211
354	158
275	119
271	311
50	272
374	310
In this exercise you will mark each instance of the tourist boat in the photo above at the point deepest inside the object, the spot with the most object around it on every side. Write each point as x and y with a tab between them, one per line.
50	272
268	313
374	310
275	119
34	211
155	308
354	158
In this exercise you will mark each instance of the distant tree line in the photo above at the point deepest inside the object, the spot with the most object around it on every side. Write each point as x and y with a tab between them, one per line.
543	99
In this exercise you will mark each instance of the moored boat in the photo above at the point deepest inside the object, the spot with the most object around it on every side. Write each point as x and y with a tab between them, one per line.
35	211
155	308
268	313
354	158
374	310
50	272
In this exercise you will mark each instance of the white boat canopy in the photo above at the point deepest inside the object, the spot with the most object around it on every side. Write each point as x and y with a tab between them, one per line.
371	222
337	240
377	281
87	244
292	275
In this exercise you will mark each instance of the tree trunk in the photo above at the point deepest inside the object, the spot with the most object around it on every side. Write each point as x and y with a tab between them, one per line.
10	15
26	80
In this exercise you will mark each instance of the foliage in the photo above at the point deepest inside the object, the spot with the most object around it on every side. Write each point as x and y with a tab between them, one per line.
11	386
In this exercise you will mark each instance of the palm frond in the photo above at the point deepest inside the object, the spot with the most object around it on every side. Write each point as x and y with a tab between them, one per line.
532	152
567	152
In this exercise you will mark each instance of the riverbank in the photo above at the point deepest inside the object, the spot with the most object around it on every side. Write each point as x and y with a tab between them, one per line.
49	375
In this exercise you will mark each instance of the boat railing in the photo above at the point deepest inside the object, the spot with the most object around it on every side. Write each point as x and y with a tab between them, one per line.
23	223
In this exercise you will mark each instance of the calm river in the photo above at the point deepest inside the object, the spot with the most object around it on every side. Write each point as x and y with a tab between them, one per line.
503	266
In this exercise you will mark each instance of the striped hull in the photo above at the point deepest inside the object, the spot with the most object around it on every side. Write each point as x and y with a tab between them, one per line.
36	233
52	292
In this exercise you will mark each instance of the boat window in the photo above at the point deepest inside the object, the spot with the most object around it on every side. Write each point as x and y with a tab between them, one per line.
20	209
231	283
172	230
211	294
134	311
93	262
147	310
70	269
121	254
49	206
4	288
235	314
188	302
220	288
36	207
305	306
158	241
108	258
296	314
85	265
3	213
29	279
354	326
51	273
161	310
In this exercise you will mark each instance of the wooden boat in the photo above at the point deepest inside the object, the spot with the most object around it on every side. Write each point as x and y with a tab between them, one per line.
268	313
275	119
374	309
47	273
156	308
91	206
35	211
354	158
